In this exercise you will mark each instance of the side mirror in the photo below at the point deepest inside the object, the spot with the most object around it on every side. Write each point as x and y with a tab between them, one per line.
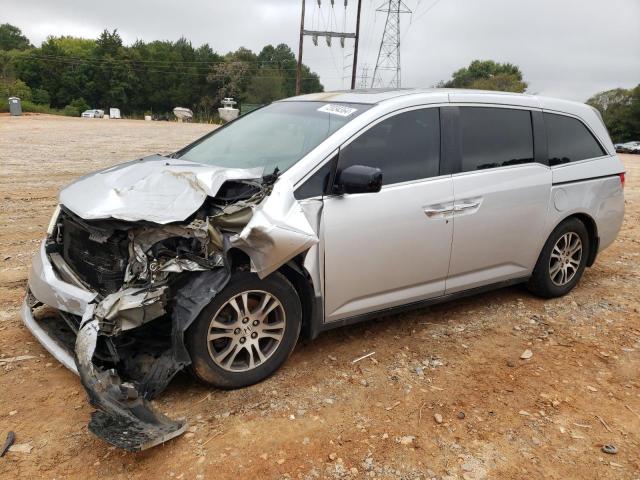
359	179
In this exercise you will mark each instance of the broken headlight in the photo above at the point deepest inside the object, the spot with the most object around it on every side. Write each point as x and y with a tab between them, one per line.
53	221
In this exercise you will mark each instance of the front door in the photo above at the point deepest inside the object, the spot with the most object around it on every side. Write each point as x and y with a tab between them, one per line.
391	247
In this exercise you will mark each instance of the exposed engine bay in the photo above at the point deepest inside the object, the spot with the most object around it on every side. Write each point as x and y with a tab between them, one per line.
150	282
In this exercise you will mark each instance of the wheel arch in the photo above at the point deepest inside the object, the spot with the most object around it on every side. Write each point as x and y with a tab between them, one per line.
592	230
295	273
311	306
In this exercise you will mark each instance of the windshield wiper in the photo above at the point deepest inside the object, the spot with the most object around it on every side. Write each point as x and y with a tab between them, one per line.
271	178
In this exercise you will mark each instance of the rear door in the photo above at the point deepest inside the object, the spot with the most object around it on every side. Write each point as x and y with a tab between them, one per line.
391	247
501	196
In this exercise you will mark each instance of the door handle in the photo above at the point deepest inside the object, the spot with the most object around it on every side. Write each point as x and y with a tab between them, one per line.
436	212
461	207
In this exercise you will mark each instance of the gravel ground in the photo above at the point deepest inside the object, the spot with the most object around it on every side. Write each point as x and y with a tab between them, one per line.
446	394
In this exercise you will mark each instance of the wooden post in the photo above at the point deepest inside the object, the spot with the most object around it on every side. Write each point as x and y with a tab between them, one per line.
355	48
299	67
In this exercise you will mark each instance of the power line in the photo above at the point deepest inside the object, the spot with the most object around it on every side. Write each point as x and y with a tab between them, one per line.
427	10
42	55
418	17
328	33
134	64
191	74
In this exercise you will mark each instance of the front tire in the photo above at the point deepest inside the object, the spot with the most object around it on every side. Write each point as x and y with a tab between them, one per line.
246	333
562	260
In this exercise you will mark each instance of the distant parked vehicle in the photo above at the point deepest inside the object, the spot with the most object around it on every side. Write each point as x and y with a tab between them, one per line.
629	147
95	113
114	113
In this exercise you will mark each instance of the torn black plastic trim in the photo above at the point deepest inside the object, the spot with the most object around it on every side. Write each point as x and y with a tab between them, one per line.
123	418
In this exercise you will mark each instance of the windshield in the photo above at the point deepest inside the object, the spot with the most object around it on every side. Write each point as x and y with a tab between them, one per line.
276	136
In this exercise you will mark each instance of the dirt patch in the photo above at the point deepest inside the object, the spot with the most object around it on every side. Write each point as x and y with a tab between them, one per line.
445	396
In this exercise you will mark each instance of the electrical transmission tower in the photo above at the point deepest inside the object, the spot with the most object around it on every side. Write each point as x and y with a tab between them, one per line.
388	63
364	76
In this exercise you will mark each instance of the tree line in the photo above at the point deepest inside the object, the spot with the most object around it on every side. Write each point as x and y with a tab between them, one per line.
73	74
76	73
620	110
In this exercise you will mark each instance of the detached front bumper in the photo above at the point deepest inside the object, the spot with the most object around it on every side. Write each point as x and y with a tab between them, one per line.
54	346
46	286
124	418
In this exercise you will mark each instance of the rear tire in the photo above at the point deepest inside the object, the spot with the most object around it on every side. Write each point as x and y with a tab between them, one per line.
246	333
562	260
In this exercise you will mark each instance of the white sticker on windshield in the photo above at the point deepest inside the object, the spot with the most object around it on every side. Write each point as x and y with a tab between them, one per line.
341	110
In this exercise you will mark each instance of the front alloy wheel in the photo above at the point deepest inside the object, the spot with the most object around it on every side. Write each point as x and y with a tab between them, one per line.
247	331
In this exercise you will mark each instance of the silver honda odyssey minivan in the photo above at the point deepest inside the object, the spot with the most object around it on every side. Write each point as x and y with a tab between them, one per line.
308	214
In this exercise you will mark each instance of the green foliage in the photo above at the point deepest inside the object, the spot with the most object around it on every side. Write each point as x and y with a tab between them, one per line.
17	88
31	107
266	87
41	96
151	77
80	104
71	111
620	110
11	38
488	75
75	46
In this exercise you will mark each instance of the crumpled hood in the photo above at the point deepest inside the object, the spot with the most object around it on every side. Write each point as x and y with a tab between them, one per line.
155	188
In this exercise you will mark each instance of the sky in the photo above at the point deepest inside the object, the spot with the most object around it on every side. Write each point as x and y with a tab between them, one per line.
565	48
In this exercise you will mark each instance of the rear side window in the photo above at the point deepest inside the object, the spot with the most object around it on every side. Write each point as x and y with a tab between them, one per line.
405	147
495	137
569	140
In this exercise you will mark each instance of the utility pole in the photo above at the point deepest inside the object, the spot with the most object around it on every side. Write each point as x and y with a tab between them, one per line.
328	36
355	47
299	66
389	52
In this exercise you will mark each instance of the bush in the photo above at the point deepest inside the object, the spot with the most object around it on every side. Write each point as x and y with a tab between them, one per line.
71	111
80	104
41	96
28	106
17	88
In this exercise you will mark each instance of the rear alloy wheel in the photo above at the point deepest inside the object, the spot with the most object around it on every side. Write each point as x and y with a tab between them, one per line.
247	332
565	260
562	260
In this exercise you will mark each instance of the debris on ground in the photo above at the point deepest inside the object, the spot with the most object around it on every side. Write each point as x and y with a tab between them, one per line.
21	448
11	438
363	357
526	355
20	358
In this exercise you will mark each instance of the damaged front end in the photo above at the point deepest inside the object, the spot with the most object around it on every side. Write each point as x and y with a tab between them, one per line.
127	290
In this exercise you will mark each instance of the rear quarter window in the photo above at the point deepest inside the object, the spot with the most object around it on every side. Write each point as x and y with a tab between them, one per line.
569	140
